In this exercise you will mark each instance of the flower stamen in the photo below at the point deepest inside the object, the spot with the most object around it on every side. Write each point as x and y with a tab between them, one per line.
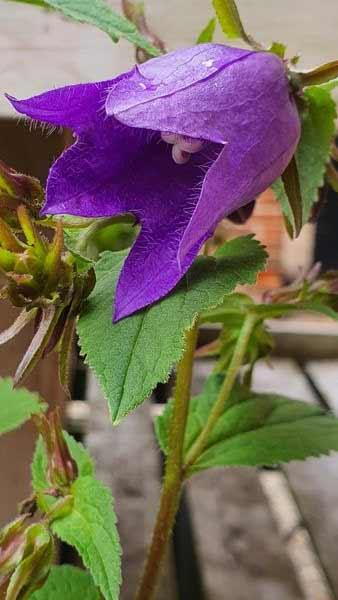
183	146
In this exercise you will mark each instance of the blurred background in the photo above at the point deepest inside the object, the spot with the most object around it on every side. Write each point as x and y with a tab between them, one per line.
266	535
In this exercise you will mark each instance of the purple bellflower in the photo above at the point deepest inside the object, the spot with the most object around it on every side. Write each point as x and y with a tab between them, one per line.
179	142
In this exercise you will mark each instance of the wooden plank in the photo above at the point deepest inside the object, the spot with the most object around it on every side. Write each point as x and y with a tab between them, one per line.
16	448
241	553
322	507
325	376
128	461
28	153
314	483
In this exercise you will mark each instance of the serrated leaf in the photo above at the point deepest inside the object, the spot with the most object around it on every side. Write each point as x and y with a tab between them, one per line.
17	406
313	150
229	19
68	583
91	528
152	339
257	429
102	16
207	34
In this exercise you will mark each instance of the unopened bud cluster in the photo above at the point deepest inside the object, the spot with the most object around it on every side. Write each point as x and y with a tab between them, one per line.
26	554
38	273
36	270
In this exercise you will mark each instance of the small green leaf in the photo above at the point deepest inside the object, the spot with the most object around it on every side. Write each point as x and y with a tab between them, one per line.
17	406
127	378
257	429
68	583
91	528
229	19
207	34
278	48
101	15
313	150
291	183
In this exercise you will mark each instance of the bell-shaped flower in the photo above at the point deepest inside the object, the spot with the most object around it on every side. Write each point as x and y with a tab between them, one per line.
179	142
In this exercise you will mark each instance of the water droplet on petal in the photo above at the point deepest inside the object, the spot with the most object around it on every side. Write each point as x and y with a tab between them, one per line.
208	63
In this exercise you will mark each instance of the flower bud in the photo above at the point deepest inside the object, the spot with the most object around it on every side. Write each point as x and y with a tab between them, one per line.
38	272
11	545
26	554
62	469
16	189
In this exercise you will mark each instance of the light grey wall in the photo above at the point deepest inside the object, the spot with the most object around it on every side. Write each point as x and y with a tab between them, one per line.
41	50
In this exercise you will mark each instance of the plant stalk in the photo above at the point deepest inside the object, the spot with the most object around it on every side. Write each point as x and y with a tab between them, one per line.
225	391
173	477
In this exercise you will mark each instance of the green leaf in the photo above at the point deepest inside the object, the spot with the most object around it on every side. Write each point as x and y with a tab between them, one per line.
32	2
207	34
68	583
330	85
229	19
152	339
91	528
17	406
257	429
313	151
101	15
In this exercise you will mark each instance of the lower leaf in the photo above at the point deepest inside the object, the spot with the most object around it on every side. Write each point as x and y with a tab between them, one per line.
17	406
91	528
257	429
69	583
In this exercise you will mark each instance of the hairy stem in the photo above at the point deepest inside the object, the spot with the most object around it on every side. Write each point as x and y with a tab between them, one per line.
173	477
225	391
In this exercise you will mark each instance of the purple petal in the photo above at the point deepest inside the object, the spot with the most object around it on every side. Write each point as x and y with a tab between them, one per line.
198	91
181	92
72	106
114	169
263	137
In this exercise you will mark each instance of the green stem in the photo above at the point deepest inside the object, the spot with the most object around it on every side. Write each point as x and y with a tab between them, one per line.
173	477
225	391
